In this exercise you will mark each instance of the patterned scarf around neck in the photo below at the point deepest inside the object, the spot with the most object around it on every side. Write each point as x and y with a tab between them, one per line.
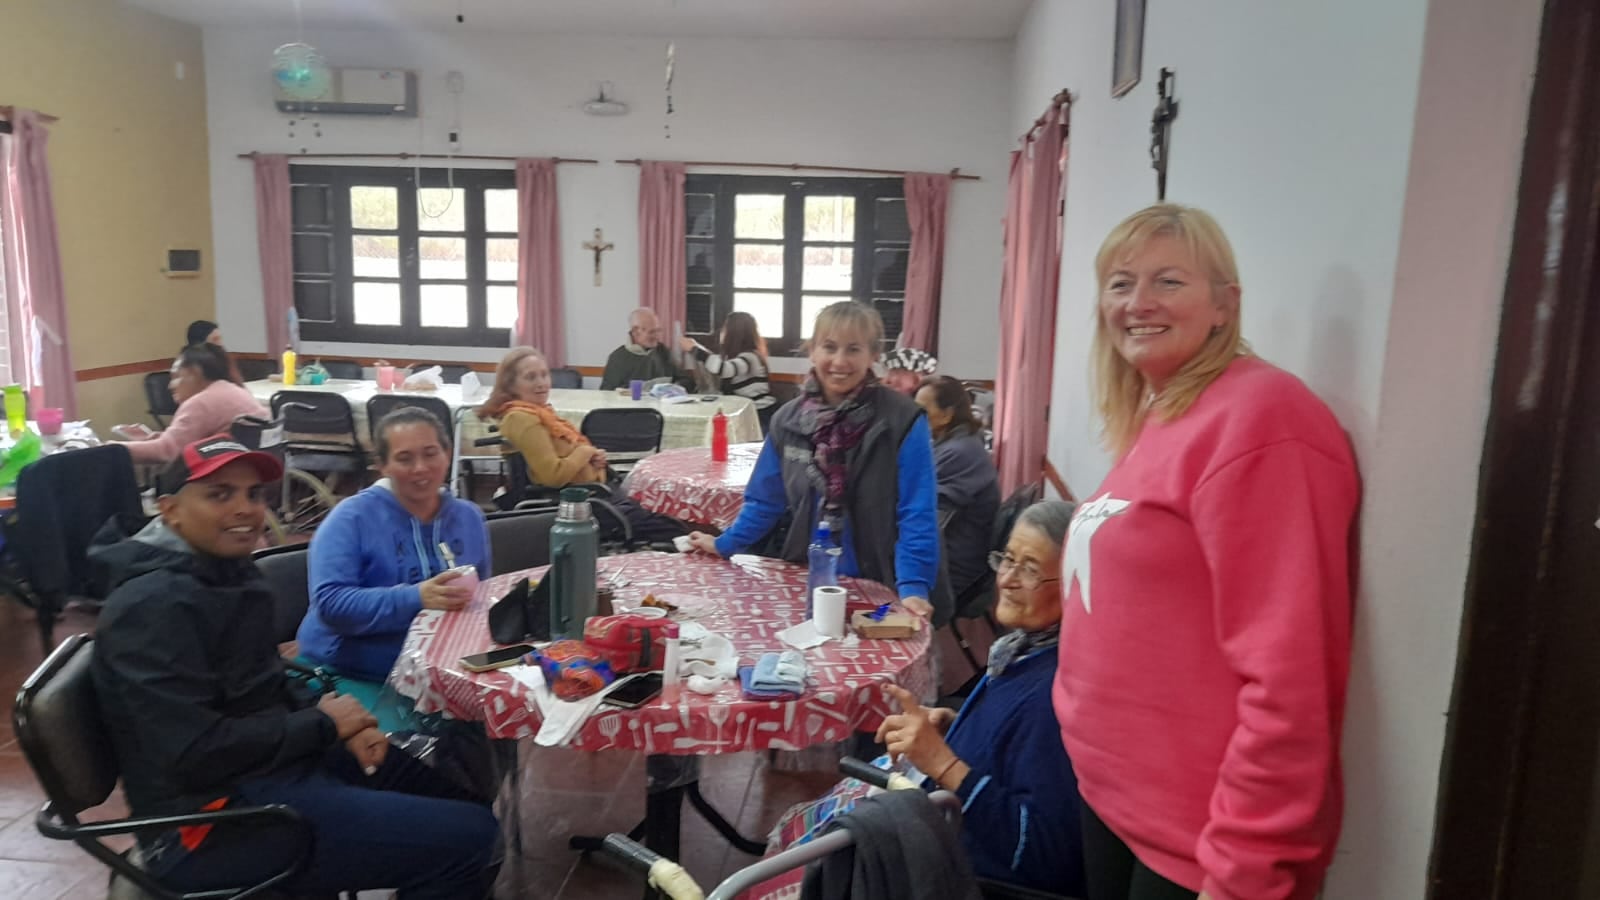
549	418
1020	644
835	432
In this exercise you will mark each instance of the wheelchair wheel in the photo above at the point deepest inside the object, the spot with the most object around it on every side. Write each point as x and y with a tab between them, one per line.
306	501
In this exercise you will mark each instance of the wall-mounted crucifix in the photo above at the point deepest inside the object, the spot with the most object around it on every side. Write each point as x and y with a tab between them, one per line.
599	245
1161	128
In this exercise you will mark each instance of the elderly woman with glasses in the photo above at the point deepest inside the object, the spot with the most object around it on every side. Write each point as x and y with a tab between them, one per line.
1002	752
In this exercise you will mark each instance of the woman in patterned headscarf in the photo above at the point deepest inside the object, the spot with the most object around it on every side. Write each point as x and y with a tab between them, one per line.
906	367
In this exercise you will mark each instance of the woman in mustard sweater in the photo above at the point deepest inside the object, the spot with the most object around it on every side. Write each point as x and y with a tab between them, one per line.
556	453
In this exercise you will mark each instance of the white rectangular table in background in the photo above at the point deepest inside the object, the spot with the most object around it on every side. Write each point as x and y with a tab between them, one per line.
683	424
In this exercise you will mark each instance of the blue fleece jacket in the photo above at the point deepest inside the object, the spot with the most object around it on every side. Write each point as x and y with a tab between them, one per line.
367	560
916	552
1020	801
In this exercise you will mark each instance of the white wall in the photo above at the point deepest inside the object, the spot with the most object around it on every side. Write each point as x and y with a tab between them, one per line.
1372	231
921	105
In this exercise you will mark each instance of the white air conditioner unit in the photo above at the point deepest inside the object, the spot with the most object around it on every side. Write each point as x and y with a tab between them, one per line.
361	92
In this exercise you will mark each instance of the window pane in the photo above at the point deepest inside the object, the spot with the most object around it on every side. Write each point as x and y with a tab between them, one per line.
310	206
313	300
444	305
767	308
810	305
830	218
442	257
442	209
700	212
827	269
701	270
502	258
758	266
372	206
376	303
892	309
889	270
502	306
698	313
890	221
313	254
374	256
758	216
500	210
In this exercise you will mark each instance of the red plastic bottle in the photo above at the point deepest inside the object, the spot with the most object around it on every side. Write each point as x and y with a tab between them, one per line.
719	437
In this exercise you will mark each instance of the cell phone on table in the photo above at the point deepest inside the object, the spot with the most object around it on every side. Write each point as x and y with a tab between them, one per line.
634	691
496	659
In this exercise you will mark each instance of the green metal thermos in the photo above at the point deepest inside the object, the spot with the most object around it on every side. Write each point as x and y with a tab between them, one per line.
574	549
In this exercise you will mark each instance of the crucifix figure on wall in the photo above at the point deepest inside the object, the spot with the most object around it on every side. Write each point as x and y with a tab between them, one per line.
1161	129
599	245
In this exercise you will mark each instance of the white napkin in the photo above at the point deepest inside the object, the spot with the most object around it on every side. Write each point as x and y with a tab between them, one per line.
803	636
562	718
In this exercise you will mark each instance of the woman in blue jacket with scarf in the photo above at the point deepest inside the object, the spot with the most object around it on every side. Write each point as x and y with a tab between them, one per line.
385	555
852	452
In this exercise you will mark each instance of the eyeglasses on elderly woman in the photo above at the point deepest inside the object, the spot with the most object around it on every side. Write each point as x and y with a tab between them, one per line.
1027	573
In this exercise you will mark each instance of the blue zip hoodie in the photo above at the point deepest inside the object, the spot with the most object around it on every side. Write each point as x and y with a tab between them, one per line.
366	562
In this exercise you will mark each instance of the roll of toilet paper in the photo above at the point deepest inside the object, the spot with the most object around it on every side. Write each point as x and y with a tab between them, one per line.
827	611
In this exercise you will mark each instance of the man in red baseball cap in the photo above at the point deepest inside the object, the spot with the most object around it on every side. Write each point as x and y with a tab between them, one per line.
201	714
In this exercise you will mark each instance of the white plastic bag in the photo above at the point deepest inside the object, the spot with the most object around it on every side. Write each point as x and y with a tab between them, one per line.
428	379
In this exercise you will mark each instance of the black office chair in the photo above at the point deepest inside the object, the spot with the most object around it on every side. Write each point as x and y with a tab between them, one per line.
450	372
255	369
519	540
62	500
626	435
348	370
58	725
566	378
381	405
976	600
158	397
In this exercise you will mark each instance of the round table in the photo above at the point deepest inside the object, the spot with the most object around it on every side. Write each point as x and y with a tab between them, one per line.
749	605
687	485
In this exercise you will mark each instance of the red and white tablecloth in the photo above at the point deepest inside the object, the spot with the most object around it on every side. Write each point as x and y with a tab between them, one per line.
687	485
748	607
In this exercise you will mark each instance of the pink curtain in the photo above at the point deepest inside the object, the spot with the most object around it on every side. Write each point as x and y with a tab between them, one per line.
1028	301
40	356
663	279
927	202
274	237
539	295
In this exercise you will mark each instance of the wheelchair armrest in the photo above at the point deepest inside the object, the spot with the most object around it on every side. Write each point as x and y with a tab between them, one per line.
50	824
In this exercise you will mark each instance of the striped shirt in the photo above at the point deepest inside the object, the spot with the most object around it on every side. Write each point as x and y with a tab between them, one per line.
744	375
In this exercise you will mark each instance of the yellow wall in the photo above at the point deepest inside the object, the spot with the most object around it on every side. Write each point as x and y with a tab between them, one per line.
128	164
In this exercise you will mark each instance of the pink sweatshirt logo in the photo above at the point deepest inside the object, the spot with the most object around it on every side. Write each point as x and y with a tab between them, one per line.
1085	522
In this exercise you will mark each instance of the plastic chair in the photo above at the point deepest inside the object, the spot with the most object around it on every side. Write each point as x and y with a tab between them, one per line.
58	725
62	501
284	569
342	368
519	539
159	398
627	435
381	405
566	378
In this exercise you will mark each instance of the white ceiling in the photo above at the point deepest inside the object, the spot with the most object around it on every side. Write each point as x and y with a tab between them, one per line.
993	19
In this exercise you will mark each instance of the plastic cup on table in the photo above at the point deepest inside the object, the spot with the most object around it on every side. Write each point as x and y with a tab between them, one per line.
386	378
636	388
49	419
466	576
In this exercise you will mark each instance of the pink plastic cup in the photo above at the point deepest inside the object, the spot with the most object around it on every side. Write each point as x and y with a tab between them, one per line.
49	419
387	380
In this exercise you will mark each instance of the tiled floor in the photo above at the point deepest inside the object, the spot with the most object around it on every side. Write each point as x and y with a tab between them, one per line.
564	792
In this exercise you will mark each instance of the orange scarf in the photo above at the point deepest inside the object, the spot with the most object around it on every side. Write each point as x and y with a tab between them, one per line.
552	422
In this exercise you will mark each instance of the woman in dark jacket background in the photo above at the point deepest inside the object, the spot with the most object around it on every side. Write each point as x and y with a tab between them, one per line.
969	486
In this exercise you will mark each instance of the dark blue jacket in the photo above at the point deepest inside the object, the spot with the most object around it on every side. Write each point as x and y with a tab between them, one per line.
1020	801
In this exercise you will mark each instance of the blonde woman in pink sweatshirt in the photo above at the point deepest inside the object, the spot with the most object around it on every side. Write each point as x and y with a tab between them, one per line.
208	402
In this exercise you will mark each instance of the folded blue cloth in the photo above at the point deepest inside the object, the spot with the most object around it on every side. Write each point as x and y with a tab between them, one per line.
746	673
784	671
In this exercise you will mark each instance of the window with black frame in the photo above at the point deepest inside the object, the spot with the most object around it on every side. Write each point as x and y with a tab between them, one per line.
782	248
378	261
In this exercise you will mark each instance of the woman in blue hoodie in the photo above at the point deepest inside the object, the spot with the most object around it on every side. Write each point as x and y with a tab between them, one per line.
385	554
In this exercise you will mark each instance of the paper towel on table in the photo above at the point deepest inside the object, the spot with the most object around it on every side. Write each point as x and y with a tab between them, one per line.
562	718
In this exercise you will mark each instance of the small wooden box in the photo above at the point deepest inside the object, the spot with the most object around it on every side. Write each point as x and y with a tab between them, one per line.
894	626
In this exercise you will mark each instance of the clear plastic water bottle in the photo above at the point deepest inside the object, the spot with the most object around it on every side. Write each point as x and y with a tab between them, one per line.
823	560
